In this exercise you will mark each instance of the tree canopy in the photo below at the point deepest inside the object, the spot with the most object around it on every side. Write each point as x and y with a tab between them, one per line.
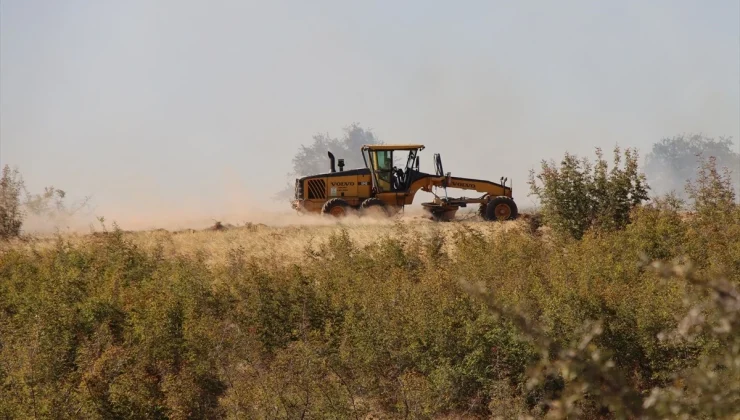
674	161
313	159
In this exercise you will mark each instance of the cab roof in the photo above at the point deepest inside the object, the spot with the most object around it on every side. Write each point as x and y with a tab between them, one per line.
393	147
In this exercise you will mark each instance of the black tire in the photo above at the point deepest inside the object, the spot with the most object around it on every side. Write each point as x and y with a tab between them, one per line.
501	208
373	203
336	207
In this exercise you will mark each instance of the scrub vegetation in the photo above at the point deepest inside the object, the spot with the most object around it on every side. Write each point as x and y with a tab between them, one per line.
605	305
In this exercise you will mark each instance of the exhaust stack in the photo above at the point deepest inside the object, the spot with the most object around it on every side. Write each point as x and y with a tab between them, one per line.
331	162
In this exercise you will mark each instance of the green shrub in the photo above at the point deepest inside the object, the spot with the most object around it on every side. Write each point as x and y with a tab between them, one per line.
11	213
714	225
580	195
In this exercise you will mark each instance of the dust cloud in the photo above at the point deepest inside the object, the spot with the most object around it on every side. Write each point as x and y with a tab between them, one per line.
240	211
174	221
230	202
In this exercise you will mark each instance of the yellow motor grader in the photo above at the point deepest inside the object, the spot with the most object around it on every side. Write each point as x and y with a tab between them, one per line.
383	188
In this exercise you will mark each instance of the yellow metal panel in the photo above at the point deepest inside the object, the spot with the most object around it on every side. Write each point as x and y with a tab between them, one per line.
341	186
364	184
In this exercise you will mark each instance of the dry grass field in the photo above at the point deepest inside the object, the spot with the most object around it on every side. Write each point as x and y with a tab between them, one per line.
286	238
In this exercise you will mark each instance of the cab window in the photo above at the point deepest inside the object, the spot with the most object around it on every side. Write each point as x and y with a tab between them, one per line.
384	160
384	167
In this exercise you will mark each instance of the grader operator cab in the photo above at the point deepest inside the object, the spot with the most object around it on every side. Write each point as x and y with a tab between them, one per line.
382	187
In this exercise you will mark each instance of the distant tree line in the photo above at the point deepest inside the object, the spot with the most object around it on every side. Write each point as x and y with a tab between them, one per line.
670	164
674	161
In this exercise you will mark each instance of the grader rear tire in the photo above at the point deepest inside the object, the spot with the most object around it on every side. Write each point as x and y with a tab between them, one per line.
374	207
336	207
500	208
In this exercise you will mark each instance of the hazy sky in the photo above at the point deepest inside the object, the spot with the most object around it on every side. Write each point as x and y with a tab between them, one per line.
185	104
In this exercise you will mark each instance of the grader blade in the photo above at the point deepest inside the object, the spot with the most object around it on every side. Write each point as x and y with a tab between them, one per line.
441	212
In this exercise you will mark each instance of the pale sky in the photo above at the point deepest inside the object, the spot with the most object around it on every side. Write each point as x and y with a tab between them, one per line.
196	105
